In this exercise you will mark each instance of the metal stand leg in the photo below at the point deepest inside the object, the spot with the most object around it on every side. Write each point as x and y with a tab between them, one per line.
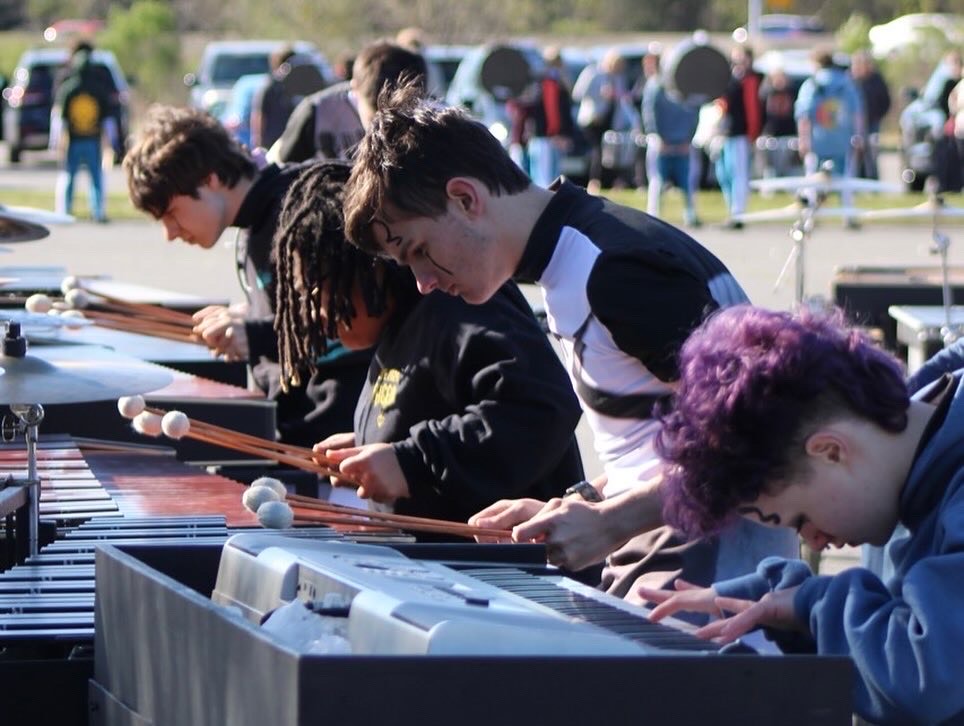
31	415
800	232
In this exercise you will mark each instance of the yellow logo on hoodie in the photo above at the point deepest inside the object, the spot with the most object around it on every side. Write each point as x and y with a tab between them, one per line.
384	392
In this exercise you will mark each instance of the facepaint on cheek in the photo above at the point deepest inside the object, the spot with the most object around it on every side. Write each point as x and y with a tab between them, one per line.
764	518
436	264
389	237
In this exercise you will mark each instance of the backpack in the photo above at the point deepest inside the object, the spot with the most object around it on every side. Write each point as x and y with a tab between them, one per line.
831	109
83	114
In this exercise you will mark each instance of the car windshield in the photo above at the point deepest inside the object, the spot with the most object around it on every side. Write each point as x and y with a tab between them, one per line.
229	68
42	77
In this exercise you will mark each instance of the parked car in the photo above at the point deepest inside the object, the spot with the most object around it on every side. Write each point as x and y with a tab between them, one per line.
517	65
29	98
223	62
443	61
489	105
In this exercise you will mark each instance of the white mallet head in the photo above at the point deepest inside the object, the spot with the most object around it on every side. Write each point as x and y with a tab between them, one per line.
275	515
73	319
255	496
175	424
38	303
147	423
272	483
69	283
130	406
77	298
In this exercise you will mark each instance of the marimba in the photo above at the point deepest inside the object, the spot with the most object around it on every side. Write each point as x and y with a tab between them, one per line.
96	494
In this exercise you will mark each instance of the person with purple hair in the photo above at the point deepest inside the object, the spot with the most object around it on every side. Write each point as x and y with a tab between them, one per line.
795	420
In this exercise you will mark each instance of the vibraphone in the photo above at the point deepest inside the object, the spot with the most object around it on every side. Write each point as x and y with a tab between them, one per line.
102	493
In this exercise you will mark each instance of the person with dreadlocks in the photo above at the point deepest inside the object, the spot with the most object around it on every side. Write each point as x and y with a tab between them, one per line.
463	404
187	172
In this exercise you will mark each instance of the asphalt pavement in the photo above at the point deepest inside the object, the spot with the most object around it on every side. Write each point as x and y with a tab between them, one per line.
137	252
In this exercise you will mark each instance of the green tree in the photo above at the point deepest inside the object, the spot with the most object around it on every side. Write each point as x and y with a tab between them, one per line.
147	46
854	34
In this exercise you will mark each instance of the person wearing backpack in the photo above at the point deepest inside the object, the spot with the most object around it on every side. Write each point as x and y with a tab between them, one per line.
80	117
830	121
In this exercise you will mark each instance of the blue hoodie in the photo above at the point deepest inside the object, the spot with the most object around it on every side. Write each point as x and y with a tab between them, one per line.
831	101
906	637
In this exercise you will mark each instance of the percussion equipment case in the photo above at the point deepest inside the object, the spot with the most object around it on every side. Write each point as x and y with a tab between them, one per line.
166	654
867	292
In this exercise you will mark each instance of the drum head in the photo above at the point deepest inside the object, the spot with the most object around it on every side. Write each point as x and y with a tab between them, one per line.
697	72
303	79
504	73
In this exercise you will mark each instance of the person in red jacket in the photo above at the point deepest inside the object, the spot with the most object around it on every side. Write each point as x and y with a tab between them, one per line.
742	121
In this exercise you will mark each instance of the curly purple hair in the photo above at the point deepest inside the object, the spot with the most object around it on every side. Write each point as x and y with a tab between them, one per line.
753	385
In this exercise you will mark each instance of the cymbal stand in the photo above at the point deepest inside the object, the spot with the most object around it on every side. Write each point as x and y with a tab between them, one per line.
941	243
800	232
27	422
27	419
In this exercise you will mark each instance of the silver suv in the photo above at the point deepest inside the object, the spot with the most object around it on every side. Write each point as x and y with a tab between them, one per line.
224	61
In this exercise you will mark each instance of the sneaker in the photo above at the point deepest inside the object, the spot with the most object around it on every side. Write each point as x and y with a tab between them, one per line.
852	224
692	221
733	224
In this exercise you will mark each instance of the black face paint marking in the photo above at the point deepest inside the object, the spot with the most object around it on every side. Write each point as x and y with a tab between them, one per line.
764	518
389	237
429	258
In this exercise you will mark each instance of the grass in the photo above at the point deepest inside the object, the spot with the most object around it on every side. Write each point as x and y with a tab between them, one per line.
709	205
711	208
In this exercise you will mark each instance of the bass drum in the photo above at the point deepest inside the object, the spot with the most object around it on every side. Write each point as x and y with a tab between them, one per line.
505	72
303	78
696	72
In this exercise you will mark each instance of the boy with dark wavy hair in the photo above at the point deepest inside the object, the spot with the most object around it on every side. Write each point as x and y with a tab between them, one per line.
795	420
187	172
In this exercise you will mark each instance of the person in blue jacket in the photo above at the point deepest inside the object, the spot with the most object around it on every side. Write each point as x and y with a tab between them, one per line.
829	111
796	420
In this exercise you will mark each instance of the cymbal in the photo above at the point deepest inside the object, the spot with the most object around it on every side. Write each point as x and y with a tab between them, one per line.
793	211
75	374
927	209
823	182
35	215
26	224
16	230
